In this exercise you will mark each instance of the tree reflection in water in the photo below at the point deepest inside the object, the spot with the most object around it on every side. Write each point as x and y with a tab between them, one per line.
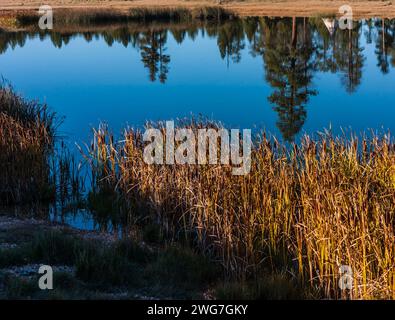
293	50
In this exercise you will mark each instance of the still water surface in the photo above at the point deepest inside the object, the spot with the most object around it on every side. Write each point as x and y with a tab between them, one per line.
287	76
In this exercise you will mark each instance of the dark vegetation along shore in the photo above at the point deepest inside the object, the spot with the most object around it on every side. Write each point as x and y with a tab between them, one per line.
22	20
282	231
26	141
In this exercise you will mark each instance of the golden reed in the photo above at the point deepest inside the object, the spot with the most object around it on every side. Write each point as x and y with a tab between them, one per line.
26	143
303	210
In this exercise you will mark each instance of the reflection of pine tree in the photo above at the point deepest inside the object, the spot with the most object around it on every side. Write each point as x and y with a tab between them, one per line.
337	52
152	46
252	31
340	52
178	35
355	61
349	57
56	39
324	46
384	44
231	41
369	32
391	49
164	59
193	32
8	39
289	67
88	36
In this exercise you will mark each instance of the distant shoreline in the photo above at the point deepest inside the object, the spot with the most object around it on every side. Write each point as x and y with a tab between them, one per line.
280	8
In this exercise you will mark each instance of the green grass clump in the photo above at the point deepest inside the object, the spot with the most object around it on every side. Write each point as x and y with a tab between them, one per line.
53	247
66	287
270	287
50	247
105	267
18	288
12	257
95	264
181	267
130	250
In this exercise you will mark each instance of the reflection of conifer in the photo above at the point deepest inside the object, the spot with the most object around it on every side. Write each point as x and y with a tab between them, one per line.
152	46
324	46
349	57
251	27
369	30
289	68
56	39
88	36
4	41
231	41
109	40
392	46
178	35
384	44
193	32
66	38
355	61
338	51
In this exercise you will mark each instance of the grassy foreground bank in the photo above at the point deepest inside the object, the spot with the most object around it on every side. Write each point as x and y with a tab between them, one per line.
90	265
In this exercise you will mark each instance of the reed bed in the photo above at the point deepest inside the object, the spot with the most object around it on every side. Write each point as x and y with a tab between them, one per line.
303	210
26	143
34	166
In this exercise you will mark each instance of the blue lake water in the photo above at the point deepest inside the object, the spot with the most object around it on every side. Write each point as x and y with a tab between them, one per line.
254	74
287	76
